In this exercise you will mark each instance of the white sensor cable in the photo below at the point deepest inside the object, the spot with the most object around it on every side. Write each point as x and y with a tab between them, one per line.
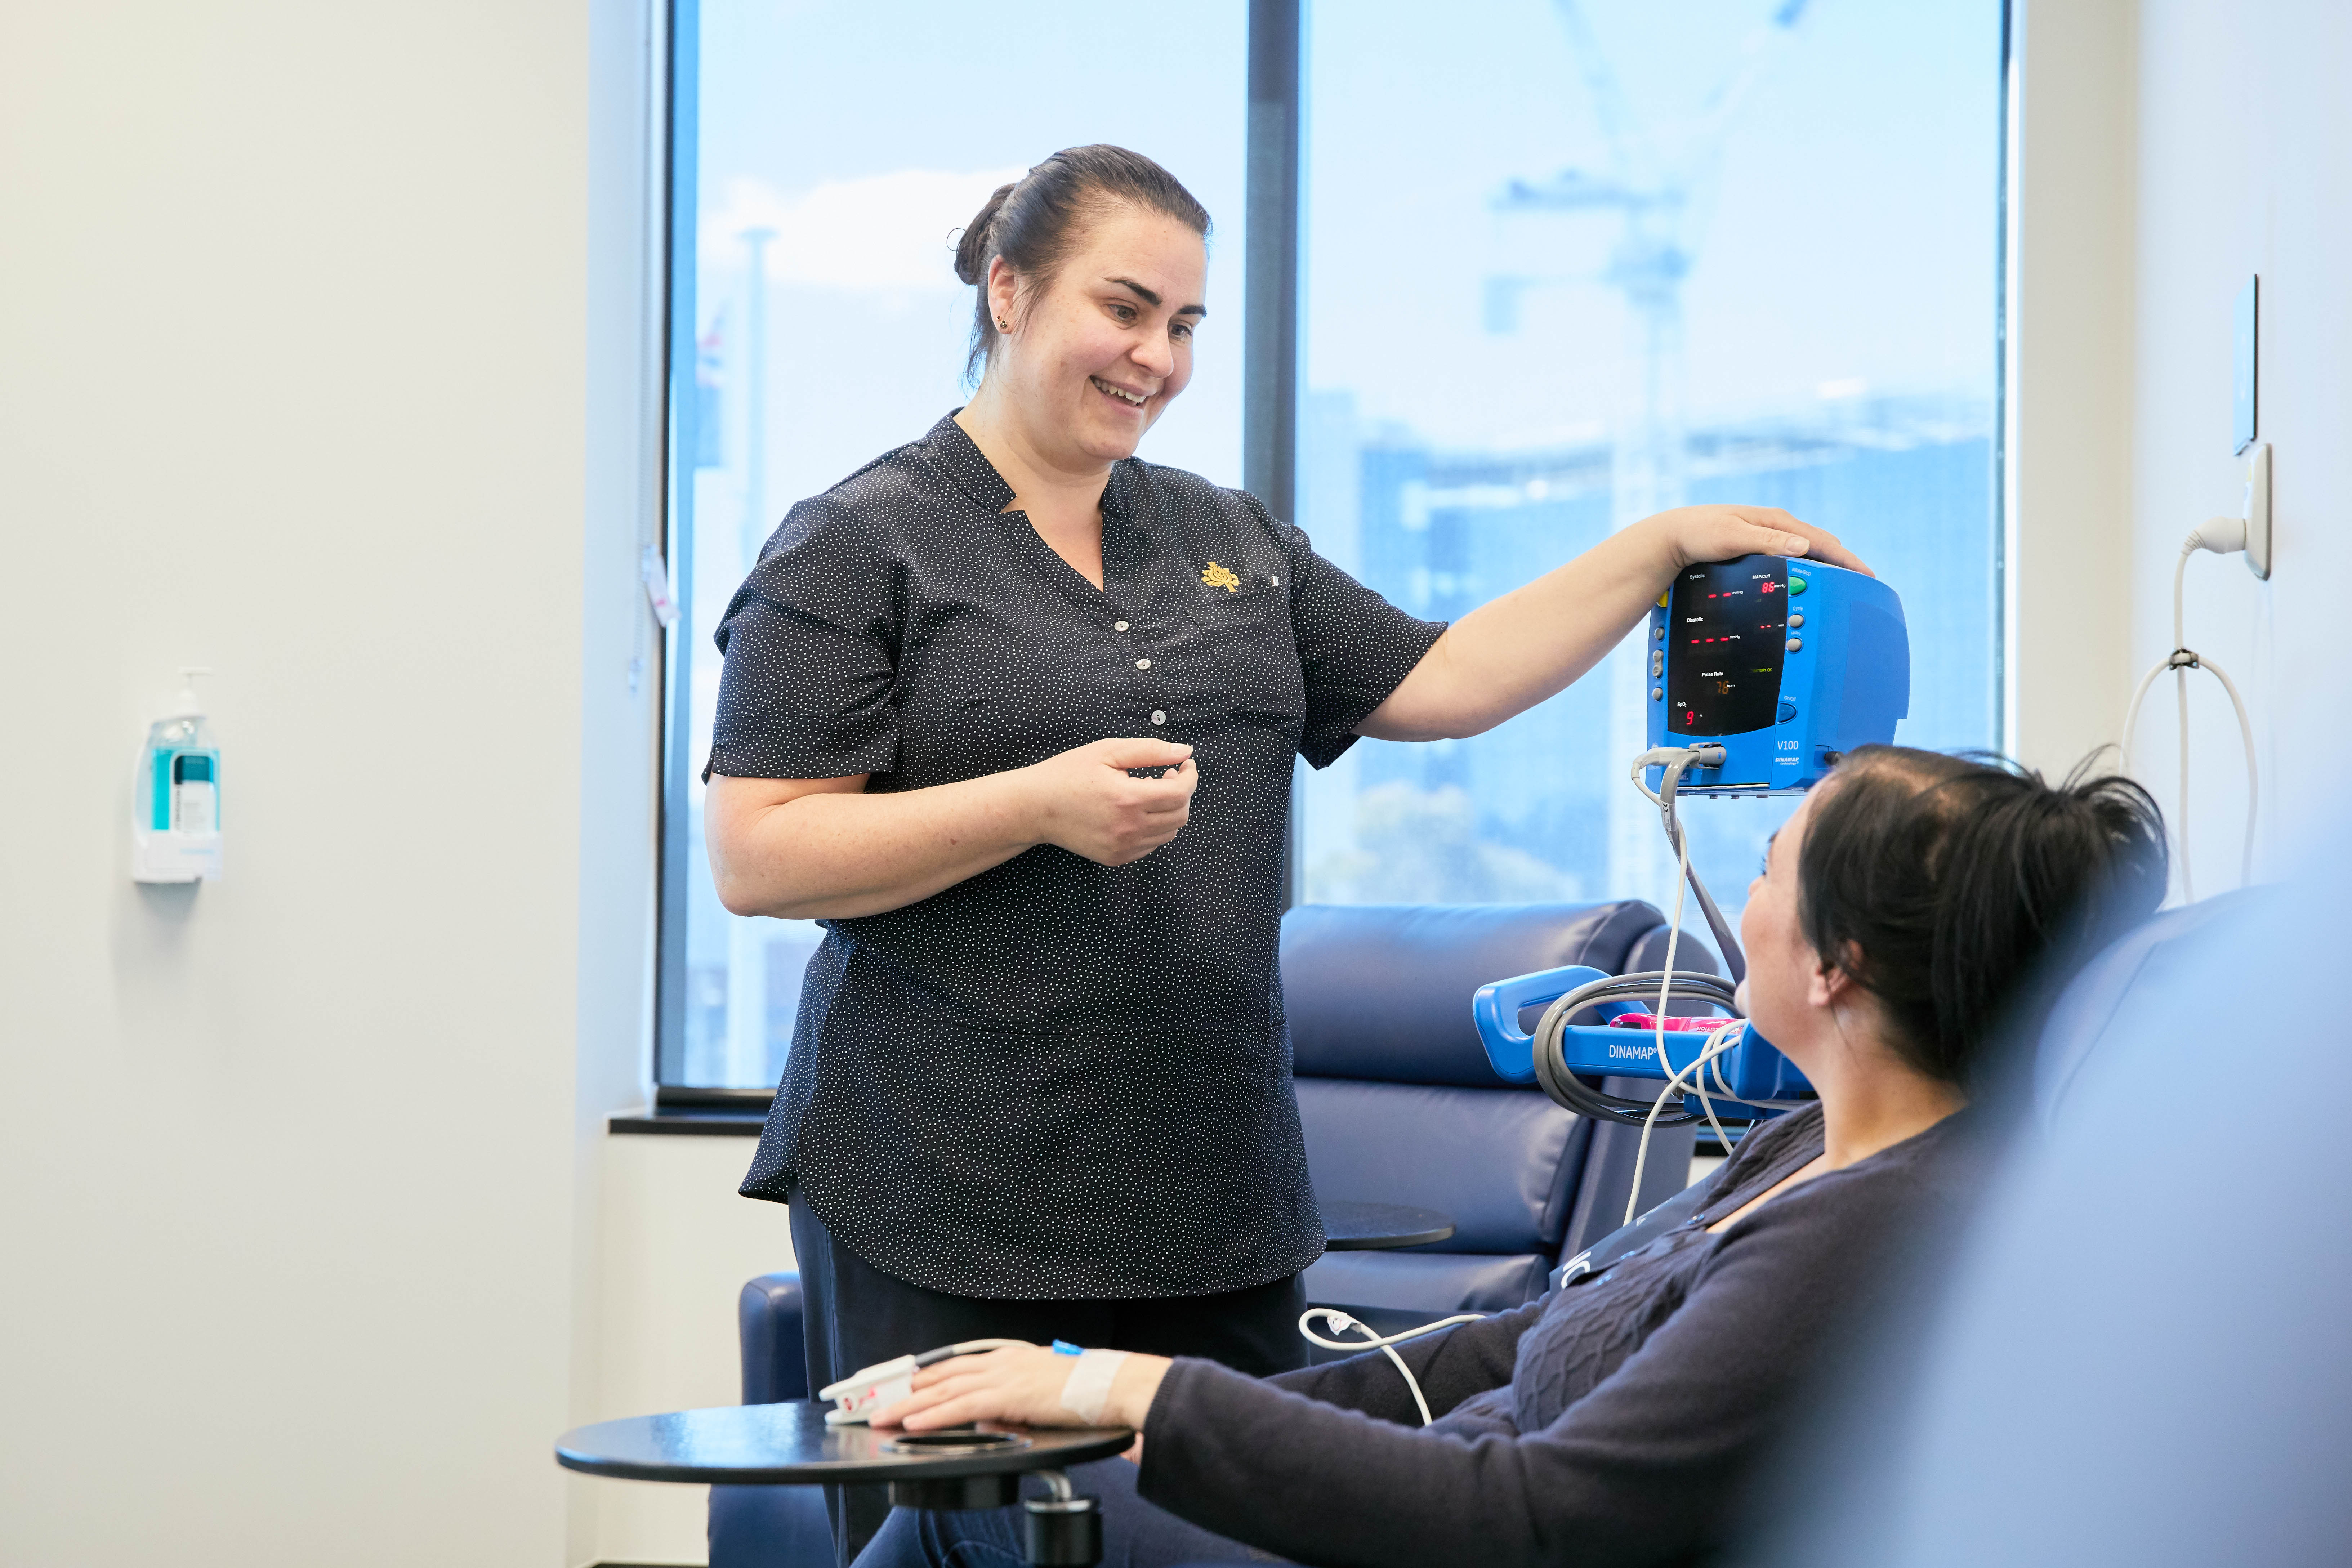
1672	759
1665	991
2222	536
1718	1044
1340	1323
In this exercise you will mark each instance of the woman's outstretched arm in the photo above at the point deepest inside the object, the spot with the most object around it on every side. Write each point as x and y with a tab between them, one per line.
1511	653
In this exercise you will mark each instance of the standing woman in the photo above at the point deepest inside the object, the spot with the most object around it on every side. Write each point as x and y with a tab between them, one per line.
1013	713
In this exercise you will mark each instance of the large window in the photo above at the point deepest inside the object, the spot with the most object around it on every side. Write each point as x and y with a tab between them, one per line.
1570	264
823	154
1558	265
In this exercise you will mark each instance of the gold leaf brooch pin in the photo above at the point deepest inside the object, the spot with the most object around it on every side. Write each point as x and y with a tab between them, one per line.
1217	577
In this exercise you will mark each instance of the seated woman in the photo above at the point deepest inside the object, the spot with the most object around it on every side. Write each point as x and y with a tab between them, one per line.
1901	917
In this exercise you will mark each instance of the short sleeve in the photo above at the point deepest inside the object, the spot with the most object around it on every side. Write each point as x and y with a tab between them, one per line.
811	643
1354	647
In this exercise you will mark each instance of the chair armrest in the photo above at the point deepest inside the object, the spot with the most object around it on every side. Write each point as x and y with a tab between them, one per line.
767	1315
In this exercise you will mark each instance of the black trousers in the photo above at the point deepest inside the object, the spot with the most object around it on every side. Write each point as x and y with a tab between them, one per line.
857	1315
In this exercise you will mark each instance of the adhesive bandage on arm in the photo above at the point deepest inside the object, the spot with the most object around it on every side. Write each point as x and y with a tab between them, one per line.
1088	1389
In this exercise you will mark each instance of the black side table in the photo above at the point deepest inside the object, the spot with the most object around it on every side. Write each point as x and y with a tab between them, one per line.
790	1445
1366	1227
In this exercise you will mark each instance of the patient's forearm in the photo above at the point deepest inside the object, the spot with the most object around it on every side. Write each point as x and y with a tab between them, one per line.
1134	1389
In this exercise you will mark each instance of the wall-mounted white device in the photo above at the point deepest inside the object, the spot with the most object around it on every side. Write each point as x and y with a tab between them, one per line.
175	821
2258	510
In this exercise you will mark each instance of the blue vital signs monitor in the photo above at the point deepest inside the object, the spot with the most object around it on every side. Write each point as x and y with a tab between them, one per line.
1785	663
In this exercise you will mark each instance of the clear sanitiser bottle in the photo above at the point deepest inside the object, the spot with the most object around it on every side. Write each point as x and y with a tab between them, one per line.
177	816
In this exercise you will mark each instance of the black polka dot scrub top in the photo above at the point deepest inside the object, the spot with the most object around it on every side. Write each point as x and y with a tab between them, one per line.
1058	1079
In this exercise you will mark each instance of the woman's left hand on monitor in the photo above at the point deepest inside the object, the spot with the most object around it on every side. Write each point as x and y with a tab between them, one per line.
1697	534
1513	652
1022	1386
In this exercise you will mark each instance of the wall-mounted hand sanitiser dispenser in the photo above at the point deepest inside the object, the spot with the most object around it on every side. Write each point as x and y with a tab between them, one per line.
175	808
1785	663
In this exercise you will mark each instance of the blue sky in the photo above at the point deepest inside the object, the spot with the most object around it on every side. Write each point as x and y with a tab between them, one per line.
798	95
1850	240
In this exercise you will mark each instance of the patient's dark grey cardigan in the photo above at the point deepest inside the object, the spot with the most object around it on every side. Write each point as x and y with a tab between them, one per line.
1611	1422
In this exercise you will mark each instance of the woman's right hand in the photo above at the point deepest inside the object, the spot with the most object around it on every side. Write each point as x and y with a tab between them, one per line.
1090	804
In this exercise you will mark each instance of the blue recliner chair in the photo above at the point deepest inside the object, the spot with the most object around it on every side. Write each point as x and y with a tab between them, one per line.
1399	1105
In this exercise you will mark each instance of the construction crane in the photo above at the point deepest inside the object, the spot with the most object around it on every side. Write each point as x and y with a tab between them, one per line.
1662	190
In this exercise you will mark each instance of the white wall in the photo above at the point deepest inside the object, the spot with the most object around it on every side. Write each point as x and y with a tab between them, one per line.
677	1244
308	357
2169	150
2245	166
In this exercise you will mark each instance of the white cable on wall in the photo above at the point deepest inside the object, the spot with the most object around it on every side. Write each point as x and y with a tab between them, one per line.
2222	536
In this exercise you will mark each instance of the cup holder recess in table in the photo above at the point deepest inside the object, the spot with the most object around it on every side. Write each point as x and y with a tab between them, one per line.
955	1442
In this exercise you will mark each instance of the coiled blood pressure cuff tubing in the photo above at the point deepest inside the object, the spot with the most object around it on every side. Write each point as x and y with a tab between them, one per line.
869	1389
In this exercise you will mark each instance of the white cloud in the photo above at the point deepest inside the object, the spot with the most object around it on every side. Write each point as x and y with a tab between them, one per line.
883	232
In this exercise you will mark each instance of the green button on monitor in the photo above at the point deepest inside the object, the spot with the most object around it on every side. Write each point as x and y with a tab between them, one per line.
1796	583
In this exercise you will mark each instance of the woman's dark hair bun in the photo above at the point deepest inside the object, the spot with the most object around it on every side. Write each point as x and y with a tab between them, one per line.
971	246
1034	223
1962	892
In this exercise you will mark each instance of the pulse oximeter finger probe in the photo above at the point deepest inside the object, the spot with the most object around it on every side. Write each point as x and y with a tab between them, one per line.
1085	1393
858	1397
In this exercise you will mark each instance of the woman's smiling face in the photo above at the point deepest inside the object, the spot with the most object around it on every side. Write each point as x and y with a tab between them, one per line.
1096	355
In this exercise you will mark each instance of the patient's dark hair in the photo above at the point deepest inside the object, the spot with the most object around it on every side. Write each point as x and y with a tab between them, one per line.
1034	222
1959	890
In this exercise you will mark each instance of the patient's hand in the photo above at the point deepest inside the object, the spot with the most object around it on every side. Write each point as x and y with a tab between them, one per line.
1022	1385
